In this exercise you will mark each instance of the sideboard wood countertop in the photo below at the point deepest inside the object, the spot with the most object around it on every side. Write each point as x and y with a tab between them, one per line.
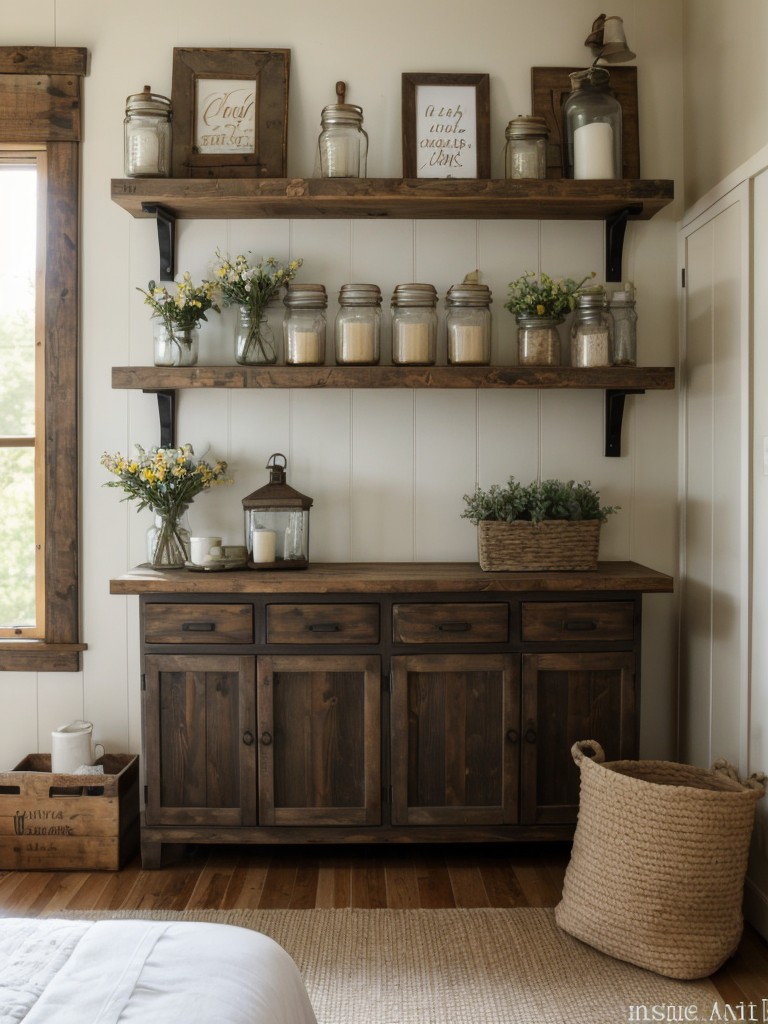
390	578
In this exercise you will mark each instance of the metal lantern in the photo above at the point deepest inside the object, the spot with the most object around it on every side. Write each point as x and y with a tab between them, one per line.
277	522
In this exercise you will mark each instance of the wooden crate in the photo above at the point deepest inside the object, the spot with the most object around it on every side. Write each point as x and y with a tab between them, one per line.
57	822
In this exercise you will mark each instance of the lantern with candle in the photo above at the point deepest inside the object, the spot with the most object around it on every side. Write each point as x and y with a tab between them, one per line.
277	522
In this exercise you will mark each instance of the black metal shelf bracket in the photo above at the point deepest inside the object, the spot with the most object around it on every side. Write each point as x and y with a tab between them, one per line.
615	226
166	238
166	407
614	416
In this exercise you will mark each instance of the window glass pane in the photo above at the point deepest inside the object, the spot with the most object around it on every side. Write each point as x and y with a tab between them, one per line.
17	537
18	207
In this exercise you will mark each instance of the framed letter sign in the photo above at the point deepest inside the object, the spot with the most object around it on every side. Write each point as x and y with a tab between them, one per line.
230	113
446	126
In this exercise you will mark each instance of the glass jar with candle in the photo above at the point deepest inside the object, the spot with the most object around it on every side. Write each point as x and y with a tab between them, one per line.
147	131
343	144
592	329
414	325
358	324
468	324
525	154
624	326
304	324
592	116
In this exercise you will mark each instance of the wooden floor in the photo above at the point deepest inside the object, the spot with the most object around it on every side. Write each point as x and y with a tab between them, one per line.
210	877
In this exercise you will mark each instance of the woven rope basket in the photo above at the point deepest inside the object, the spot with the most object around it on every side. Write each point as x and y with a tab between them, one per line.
656	875
552	544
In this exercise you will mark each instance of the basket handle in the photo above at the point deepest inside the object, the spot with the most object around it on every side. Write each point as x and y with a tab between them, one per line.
756	781
590	749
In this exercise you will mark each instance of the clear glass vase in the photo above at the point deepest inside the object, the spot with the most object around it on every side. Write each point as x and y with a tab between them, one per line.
175	346
154	531
538	341
254	341
169	550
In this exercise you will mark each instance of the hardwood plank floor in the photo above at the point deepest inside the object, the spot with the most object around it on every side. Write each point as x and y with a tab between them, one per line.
428	877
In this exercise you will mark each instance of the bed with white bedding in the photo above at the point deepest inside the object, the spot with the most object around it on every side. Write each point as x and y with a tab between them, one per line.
145	972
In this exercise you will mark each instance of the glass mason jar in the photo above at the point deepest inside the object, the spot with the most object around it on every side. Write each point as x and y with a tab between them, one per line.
592	329
525	153
174	345
304	324
538	341
154	532
147	135
414	325
254	340
624	326
592	116
468	324
358	324
343	144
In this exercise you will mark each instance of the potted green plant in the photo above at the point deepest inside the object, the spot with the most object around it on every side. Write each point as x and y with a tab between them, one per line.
546	525
539	306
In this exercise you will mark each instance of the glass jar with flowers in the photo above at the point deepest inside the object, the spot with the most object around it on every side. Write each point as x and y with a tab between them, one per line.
539	306
165	480
251	287
178	317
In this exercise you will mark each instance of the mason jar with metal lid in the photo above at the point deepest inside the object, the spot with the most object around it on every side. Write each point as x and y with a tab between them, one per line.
304	324
468	324
592	329
525	154
147	131
414	325
343	144
358	324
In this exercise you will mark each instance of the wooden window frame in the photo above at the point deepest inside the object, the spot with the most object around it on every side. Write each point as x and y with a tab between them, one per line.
41	104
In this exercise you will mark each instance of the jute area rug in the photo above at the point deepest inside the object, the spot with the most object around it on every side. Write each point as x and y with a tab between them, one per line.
475	966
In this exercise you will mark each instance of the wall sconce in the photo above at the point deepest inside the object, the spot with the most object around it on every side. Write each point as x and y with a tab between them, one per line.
607	40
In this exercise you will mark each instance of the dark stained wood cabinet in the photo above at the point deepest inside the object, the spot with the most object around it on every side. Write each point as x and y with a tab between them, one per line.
381	702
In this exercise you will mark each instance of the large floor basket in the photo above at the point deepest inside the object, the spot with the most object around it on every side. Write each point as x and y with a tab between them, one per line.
659	857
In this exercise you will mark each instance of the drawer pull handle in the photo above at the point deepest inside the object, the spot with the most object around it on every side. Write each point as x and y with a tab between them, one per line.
513	736
248	739
579	625
455	627
323	627
266	738
530	735
198	627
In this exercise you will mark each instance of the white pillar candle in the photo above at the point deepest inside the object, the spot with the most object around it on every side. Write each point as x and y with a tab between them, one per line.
465	343
264	544
304	347
357	343
144	152
411	343
593	151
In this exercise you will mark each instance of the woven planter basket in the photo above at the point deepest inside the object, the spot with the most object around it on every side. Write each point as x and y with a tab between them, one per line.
552	544
657	869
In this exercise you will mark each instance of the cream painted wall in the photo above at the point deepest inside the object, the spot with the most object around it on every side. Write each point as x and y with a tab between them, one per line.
726	89
386	470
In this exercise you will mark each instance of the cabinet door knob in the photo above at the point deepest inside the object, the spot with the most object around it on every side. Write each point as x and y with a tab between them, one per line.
248	739
513	736
530	735
266	738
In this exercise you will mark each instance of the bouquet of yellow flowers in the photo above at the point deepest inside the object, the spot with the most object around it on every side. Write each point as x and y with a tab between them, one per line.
547	298
186	307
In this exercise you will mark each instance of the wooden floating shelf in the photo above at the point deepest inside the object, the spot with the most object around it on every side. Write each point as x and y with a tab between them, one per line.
475	198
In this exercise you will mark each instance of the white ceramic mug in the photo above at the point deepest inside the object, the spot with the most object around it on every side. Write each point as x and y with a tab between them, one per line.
72	745
204	550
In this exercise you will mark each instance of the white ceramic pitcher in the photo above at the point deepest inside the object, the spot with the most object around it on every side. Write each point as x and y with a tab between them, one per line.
72	745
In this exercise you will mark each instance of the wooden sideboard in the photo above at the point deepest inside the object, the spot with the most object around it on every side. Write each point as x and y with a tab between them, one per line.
380	702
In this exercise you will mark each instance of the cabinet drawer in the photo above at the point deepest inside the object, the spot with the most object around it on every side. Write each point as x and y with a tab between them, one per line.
450	623
562	621
198	623
323	624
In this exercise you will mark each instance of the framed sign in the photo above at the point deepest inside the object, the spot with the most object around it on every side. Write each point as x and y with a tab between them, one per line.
446	126
230	113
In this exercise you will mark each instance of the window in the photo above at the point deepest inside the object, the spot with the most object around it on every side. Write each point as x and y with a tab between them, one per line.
40	103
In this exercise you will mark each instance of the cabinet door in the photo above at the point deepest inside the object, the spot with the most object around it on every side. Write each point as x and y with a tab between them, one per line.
199	739
319	740
455	739
570	697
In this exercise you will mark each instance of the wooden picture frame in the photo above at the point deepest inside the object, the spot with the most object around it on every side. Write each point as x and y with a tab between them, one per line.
230	113
446	125
549	89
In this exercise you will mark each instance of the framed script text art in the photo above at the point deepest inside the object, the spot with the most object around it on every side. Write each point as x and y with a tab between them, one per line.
230	113
446	126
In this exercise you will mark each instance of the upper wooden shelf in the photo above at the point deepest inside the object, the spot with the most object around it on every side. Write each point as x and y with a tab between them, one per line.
474	198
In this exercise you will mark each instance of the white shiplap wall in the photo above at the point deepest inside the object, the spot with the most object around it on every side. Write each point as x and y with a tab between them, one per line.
387	470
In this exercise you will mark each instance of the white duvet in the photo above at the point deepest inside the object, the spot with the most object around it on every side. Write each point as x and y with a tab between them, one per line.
145	972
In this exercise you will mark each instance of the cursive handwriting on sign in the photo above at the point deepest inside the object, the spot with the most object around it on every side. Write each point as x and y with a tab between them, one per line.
446	132
226	116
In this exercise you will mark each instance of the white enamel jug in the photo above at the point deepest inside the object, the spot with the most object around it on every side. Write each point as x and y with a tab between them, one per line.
72	745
